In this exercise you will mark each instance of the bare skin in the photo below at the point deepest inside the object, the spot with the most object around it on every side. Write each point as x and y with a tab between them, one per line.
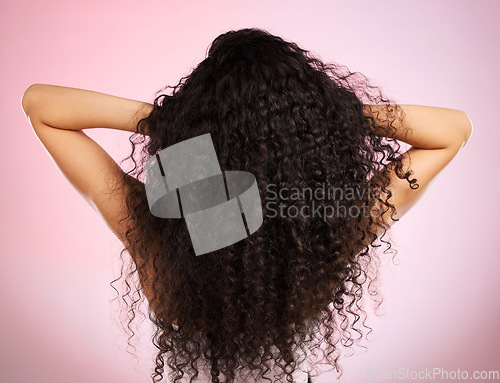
59	115
436	135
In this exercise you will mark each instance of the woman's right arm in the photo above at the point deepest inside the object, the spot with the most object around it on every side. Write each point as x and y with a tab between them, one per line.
435	134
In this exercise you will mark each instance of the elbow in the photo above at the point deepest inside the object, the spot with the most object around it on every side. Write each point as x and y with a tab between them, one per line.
468	128
27	98
461	131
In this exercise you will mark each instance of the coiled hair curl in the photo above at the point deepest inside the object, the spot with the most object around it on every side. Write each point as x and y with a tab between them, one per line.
278	112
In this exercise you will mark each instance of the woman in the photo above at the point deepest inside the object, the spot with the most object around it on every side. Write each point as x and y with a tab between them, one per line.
296	124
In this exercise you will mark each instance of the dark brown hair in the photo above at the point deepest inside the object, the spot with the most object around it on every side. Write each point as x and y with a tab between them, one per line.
276	111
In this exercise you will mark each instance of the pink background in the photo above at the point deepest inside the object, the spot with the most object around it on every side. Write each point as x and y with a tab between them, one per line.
441	306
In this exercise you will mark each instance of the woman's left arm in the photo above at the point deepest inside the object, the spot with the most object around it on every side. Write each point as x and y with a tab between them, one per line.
58	115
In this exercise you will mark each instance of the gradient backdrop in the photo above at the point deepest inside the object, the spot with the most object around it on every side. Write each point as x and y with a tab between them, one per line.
441	306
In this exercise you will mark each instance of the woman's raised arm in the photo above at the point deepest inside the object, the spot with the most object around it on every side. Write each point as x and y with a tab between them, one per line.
58	116
76	109
436	136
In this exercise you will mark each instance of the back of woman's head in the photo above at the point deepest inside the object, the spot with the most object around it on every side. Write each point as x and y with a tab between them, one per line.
296	124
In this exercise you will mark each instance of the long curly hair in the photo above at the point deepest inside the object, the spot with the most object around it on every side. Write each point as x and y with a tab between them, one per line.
297	124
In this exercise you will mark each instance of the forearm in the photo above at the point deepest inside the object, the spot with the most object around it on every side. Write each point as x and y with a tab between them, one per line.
426	127
77	109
